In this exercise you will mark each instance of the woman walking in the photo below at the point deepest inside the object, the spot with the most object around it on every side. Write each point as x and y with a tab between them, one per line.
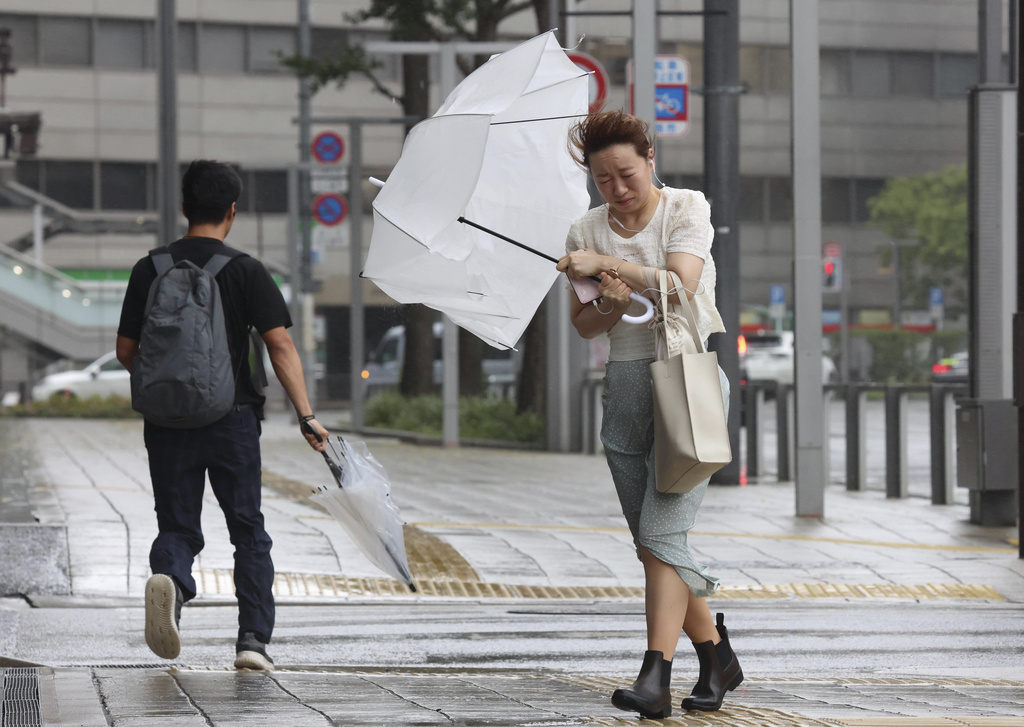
641	230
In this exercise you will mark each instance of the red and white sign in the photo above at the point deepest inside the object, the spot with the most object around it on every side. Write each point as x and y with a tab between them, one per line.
598	78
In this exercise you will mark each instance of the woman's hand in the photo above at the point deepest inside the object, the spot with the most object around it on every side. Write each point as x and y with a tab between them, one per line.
614	291
585	263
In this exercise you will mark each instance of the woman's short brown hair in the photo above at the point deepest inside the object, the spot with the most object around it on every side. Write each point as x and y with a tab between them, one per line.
599	131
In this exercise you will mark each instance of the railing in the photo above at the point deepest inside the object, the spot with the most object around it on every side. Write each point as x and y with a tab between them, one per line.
942	411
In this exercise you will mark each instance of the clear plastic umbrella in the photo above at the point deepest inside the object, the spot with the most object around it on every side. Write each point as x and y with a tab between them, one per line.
361	502
490	168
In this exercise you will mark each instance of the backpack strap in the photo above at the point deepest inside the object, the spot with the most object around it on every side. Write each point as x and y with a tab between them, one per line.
162	260
217	263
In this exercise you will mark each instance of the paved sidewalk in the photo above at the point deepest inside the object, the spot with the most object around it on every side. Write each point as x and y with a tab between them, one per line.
884	612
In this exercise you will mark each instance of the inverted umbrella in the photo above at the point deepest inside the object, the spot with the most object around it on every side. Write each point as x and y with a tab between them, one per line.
361	502
490	168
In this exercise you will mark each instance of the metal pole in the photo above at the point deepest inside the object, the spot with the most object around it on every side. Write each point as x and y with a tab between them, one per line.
645	43
806	150
304	286
450	338
357	320
169	194
37	233
990	41
1017	29
722	177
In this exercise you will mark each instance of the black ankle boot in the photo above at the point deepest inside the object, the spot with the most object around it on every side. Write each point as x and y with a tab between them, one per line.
720	672
649	695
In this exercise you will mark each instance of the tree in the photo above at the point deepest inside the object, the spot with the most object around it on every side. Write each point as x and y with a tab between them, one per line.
931	208
419	20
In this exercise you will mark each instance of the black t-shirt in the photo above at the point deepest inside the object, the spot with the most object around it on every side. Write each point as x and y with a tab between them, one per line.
249	295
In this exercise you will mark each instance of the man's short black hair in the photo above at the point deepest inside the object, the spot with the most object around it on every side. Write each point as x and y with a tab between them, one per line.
208	190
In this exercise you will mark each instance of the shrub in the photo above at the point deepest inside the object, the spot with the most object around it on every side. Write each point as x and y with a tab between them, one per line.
480	417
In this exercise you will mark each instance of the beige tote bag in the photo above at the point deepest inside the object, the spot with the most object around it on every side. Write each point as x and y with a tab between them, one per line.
691	438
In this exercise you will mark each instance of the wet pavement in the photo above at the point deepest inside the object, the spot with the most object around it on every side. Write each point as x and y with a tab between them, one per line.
530	611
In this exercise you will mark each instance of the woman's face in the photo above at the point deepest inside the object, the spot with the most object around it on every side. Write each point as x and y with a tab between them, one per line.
623	177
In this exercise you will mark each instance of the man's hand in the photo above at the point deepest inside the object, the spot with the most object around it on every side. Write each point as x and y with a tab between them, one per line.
315	434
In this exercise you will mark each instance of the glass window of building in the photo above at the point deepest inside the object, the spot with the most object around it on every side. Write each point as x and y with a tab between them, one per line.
780	199
752	68
70	183
65	41
24	37
327	43
864	190
836	201
27	172
913	74
779	70
264	46
187	47
957	73
120	43
221	49
870	74
751	200
123	186
835	73
270	191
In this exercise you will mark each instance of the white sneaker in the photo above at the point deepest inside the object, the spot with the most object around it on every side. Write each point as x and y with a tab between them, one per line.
163	611
251	653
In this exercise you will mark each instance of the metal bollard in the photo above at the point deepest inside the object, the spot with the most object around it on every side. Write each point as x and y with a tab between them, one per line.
896	484
942	412
784	438
856	438
753	403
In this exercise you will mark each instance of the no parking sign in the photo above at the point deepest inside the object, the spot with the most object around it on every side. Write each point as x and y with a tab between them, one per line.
330	209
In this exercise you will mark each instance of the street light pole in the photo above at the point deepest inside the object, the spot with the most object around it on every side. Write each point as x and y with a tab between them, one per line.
167	169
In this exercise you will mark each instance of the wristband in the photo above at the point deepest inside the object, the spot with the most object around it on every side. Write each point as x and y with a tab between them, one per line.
303	420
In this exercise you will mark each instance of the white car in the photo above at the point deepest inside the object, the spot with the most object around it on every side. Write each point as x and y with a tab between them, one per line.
769	357
103	377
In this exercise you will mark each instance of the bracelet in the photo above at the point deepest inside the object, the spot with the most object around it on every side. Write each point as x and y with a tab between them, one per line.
614	272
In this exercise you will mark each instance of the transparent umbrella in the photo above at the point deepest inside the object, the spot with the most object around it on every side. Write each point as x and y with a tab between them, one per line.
361	501
479	204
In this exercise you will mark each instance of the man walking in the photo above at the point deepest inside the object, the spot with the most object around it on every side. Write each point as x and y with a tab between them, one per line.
181	454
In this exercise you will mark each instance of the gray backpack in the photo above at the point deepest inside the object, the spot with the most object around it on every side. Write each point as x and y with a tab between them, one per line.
182	377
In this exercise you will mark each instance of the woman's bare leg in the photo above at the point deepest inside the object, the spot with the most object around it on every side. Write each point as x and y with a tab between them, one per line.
699	624
666	599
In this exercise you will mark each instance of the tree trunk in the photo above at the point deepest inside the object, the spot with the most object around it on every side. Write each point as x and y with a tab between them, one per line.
418	365
531	393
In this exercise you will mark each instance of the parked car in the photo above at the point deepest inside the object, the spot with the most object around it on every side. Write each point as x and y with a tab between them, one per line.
952	369
768	356
384	364
103	377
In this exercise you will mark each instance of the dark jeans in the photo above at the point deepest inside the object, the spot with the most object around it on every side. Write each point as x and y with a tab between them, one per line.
179	459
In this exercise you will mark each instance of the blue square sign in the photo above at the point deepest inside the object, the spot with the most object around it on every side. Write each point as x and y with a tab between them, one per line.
670	103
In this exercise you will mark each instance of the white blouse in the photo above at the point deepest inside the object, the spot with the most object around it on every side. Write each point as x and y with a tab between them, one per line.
682	223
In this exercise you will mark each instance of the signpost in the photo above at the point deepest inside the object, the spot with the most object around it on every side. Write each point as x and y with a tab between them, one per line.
671	95
937	306
777	305
328	147
598	78
328	180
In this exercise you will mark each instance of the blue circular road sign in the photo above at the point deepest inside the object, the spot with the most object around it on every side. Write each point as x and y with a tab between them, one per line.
330	209
328	147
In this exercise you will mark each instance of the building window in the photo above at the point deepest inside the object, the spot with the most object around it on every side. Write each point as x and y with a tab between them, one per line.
751	201
264	46
120	43
870	74
864	189
326	44
221	49
779	73
835	73
270	192
780	199
24	37
957	73
913	74
27	172
124	186
186	50
70	183
835	201
65	41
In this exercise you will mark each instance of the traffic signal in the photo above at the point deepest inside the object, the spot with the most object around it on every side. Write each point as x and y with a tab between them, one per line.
831	274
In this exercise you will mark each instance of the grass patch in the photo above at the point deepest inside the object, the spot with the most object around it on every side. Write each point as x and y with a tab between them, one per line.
59	405
480	417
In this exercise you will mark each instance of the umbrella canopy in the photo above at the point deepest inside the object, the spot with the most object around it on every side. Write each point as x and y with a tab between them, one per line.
361	502
496	154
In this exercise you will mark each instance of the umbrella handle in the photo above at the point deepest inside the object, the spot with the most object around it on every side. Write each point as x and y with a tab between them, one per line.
643	317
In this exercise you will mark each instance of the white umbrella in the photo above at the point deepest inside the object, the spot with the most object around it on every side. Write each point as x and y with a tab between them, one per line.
492	166
361	502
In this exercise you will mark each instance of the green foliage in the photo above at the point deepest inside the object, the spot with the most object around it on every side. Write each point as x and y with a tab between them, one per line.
930	208
59	405
896	357
480	417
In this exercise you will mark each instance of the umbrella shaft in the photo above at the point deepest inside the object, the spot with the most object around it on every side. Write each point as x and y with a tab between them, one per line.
489	231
